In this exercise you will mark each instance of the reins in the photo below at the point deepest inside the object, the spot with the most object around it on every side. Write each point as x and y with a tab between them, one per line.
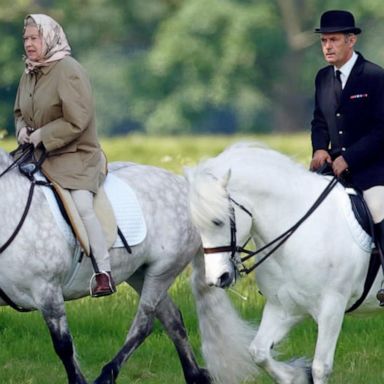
24	215
278	241
26	152
28	171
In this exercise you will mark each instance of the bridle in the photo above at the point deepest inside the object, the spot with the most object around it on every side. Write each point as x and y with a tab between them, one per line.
273	245
233	248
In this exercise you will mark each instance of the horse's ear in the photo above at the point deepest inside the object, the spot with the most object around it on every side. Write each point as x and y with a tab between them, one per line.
188	173
226	177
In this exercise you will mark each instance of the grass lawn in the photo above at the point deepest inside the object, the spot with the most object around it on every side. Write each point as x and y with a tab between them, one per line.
99	326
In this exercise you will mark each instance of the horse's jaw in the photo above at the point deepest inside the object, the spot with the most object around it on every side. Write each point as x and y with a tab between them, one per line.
219	270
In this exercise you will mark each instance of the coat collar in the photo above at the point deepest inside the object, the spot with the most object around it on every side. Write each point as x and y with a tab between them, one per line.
48	68
40	71
356	72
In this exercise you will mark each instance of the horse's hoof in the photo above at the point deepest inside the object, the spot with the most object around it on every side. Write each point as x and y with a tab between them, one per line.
107	376
103	380
202	378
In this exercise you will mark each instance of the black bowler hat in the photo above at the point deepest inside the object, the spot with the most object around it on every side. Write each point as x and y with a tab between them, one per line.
337	21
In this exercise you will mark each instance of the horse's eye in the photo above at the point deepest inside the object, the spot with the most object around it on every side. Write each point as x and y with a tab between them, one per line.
217	222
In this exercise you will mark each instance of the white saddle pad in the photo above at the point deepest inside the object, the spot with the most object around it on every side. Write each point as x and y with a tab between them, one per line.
360	236
127	210
128	213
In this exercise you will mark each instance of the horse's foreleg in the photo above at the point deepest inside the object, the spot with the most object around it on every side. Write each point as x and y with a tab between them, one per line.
274	326
56	320
172	320
329	323
153	292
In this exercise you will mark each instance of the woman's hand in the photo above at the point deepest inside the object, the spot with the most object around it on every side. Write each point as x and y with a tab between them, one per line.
23	136
35	137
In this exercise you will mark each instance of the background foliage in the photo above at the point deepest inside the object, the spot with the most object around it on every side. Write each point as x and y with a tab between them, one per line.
179	66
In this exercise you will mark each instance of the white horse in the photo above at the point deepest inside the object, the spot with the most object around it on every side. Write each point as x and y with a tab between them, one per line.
318	272
34	266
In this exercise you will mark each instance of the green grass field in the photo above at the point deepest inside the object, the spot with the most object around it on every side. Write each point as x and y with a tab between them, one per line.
99	326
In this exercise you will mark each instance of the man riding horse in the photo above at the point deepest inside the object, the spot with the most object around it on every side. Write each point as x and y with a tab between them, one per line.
348	119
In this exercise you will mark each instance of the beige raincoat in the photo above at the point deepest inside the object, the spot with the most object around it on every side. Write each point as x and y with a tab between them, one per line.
57	98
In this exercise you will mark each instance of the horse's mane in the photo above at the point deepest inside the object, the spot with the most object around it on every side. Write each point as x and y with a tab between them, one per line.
253	155
208	198
263	153
208	195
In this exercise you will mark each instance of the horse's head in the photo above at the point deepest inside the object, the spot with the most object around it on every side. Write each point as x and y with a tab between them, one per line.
221	221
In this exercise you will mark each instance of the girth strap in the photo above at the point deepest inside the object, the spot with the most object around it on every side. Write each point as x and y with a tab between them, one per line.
9	301
373	269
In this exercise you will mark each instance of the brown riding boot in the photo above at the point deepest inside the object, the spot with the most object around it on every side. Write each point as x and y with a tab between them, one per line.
104	285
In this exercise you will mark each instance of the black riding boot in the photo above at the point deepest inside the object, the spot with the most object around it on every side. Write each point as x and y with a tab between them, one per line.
379	240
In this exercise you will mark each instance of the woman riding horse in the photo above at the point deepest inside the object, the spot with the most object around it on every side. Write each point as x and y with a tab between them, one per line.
54	109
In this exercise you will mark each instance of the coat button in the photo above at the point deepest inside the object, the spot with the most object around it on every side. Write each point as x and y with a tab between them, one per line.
341	132
343	149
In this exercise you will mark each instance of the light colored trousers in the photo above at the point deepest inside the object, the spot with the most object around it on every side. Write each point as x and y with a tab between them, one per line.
84	202
374	197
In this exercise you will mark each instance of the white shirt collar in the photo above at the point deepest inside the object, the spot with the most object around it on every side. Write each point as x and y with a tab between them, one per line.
347	68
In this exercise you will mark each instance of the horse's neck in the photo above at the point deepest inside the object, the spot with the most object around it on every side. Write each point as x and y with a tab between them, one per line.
277	201
14	189
4	159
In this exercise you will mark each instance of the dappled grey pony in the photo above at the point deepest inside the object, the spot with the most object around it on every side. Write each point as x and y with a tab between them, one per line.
35	263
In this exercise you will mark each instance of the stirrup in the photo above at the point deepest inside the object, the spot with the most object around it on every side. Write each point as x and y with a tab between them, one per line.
109	290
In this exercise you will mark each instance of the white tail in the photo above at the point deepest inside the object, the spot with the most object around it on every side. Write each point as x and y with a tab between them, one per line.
225	336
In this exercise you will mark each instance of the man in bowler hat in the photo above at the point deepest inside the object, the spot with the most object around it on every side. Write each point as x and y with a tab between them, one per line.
348	119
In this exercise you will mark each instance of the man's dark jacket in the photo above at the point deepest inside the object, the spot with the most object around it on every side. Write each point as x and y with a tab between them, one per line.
355	127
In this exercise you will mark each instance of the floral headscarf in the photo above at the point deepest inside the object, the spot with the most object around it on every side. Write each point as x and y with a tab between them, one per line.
55	44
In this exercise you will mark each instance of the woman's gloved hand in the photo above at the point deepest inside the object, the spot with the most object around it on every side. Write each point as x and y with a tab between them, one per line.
23	136
35	137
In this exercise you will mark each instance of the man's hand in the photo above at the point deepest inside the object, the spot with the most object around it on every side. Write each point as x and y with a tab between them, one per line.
319	158
35	137
339	166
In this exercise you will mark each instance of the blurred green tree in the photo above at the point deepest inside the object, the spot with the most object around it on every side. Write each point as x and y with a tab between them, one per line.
179	66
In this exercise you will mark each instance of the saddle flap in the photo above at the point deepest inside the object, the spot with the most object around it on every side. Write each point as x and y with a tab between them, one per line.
361	211
103	210
105	214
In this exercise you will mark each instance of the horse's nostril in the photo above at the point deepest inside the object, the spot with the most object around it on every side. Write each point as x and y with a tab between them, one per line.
225	279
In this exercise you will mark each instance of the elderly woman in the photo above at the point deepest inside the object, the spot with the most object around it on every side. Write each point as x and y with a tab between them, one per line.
54	109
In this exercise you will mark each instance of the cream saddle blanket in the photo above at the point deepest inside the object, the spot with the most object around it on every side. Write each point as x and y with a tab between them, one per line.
116	206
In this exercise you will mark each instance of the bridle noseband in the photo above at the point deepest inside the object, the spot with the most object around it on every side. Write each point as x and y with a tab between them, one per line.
233	248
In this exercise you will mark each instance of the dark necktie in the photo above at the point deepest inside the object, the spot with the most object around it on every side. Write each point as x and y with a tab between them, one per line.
338	86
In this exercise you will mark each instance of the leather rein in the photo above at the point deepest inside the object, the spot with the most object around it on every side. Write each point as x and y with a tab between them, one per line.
235	249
